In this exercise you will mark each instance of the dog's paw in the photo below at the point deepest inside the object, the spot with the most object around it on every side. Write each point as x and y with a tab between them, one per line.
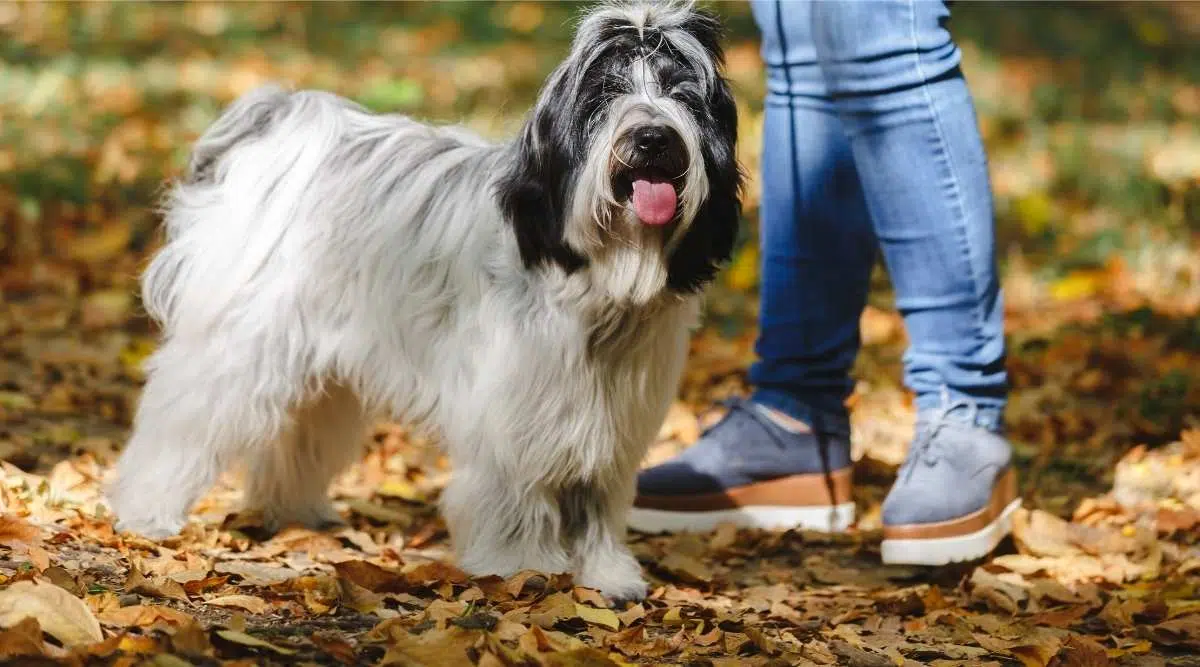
623	592
621	582
153	528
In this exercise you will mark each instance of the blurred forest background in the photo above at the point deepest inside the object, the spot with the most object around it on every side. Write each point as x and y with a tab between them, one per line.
1090	113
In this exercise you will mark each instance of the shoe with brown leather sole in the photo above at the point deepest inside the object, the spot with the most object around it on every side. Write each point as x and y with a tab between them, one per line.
794	501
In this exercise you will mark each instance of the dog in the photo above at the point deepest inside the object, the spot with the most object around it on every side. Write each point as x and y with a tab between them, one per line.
529	302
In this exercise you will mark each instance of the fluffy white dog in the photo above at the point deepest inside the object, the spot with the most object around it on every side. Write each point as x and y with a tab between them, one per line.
529	301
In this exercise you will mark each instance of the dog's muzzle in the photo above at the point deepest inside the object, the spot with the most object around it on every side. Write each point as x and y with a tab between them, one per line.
652	167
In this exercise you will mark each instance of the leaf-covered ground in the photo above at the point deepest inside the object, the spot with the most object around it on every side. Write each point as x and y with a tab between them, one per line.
1092	118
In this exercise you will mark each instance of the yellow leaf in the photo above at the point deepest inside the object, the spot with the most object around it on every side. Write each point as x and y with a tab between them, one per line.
1076	285
1151	32
101	245
673	617
61	615
605	617
743	274
1035	211
133	356
398	488
138	644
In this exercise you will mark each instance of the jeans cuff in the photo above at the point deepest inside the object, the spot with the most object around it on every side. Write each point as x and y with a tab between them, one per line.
988	413
822	414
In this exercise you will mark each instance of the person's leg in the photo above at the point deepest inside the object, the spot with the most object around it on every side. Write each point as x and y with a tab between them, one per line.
757	466
892	70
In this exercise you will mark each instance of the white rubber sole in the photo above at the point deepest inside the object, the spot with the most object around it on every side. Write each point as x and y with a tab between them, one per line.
829	519
945	550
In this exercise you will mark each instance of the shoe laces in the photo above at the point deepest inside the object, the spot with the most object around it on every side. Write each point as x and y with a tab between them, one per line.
926	447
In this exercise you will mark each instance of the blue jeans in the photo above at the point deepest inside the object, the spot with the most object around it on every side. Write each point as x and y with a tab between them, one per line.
871	141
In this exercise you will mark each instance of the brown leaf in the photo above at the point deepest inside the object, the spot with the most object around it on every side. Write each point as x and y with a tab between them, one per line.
24	638
198	586
358	598
340	649
579	657
997	591
144	616
435	572
764	643
591	596
1040	533
60	614
1039	653
630	616
857	657
1062	617
1181	632
686	567
1083	652
158	587
243	639
191	639
552	609
15	530
517	584
371	576
257	574
709	638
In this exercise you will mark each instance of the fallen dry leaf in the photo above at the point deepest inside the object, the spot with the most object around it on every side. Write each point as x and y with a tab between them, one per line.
144	616
249	603
159	587
60	614
602	617
243	639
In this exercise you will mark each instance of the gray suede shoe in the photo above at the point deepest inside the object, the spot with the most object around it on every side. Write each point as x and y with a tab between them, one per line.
955	494
749	471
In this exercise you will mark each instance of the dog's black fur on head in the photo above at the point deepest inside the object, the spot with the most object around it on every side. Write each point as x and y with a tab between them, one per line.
678	49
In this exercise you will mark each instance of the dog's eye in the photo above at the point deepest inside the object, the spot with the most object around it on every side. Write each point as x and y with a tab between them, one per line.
688	95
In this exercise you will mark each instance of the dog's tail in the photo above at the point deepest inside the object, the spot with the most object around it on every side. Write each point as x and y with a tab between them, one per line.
248	184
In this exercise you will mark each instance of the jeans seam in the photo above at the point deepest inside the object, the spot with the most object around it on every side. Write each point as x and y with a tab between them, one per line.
956	188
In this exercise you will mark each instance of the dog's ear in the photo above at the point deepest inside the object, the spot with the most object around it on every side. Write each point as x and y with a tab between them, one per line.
709	240
533	194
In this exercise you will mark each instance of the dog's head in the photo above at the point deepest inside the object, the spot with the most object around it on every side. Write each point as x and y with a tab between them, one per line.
626	165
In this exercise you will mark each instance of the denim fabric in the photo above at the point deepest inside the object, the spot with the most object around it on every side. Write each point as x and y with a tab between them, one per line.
870	141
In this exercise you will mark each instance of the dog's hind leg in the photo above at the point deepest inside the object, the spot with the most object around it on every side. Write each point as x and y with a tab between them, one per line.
288	479
594	527
500	527
198	413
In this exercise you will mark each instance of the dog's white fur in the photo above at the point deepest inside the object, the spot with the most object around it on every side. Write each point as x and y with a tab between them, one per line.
325	266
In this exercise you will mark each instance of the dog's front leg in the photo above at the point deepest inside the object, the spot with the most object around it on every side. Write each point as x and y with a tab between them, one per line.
593	517
501	525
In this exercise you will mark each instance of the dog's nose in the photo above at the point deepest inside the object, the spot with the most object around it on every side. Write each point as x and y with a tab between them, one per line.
651	140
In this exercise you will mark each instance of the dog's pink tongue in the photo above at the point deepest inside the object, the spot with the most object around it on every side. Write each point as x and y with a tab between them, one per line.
654	201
